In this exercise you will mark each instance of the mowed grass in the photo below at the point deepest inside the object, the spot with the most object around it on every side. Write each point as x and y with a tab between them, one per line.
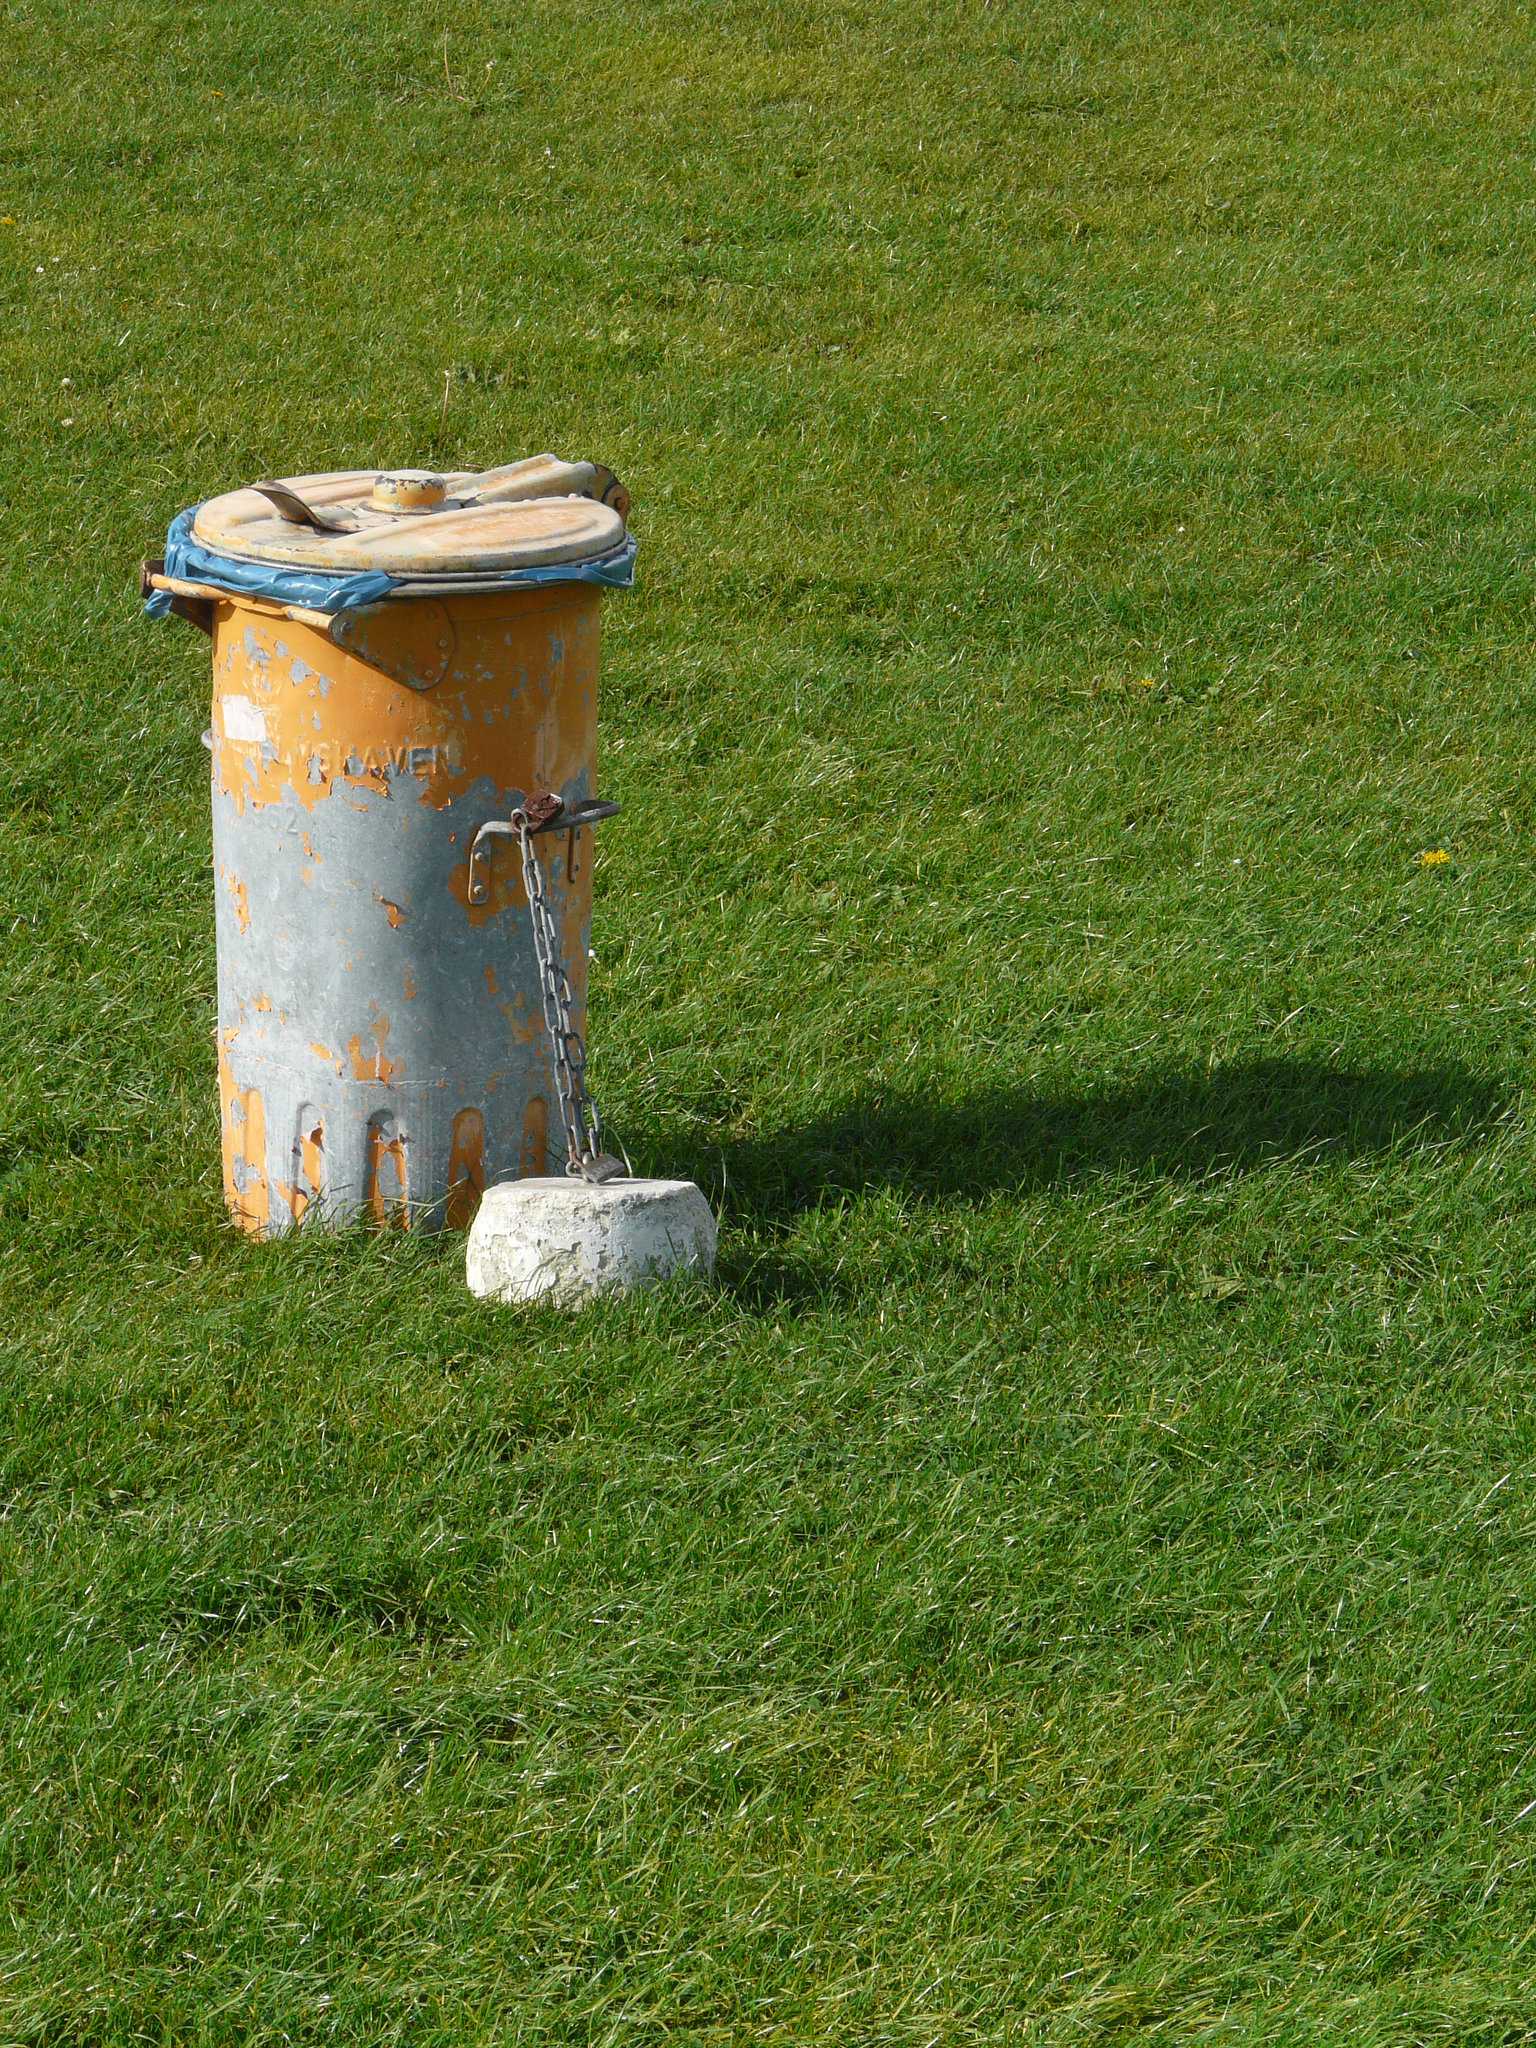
1073	1579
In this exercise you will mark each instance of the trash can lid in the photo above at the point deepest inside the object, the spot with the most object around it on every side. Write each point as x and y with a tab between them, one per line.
412	522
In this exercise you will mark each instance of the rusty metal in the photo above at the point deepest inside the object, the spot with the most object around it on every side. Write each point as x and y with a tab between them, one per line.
607	488
540	811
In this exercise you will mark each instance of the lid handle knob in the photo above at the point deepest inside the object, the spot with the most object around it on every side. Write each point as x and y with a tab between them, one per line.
408	490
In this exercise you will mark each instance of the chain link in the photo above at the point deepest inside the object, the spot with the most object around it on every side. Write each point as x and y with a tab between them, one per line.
583	1129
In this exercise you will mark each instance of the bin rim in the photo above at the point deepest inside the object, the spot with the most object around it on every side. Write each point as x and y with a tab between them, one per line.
187	559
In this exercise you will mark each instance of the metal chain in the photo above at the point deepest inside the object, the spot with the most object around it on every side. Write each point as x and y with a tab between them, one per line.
583	1129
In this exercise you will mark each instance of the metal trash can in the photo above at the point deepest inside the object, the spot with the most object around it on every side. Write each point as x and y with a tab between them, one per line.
400	660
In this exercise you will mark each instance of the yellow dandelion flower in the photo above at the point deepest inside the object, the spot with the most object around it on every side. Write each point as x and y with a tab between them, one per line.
1433	857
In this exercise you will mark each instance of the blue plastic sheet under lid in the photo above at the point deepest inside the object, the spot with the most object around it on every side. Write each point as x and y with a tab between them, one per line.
318	592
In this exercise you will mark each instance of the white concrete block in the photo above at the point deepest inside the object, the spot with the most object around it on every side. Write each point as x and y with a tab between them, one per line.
567	1240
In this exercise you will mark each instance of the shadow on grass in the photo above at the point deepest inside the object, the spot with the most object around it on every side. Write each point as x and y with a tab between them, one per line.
1172	1123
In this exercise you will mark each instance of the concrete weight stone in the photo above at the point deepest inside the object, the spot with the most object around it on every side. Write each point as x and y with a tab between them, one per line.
566	1241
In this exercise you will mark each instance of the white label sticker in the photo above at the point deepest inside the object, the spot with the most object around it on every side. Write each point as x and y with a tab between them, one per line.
244	720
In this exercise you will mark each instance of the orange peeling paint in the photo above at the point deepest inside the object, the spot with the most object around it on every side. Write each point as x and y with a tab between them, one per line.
386	1173
243	1123
392	911
372	734
466	1169
533	1158
309	1158
521	1027
242	909
374	1067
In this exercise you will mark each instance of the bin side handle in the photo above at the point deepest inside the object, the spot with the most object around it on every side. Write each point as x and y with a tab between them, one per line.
195	601
190	601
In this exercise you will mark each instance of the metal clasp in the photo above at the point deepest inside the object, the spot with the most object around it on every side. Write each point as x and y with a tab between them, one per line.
540	811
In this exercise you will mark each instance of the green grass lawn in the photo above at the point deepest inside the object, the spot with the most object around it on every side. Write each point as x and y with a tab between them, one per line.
1073	1580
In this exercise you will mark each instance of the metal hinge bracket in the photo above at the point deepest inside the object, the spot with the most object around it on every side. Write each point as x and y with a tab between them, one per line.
545	812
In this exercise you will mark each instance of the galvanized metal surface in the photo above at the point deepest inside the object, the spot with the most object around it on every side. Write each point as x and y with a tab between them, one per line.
381	1045
560	816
